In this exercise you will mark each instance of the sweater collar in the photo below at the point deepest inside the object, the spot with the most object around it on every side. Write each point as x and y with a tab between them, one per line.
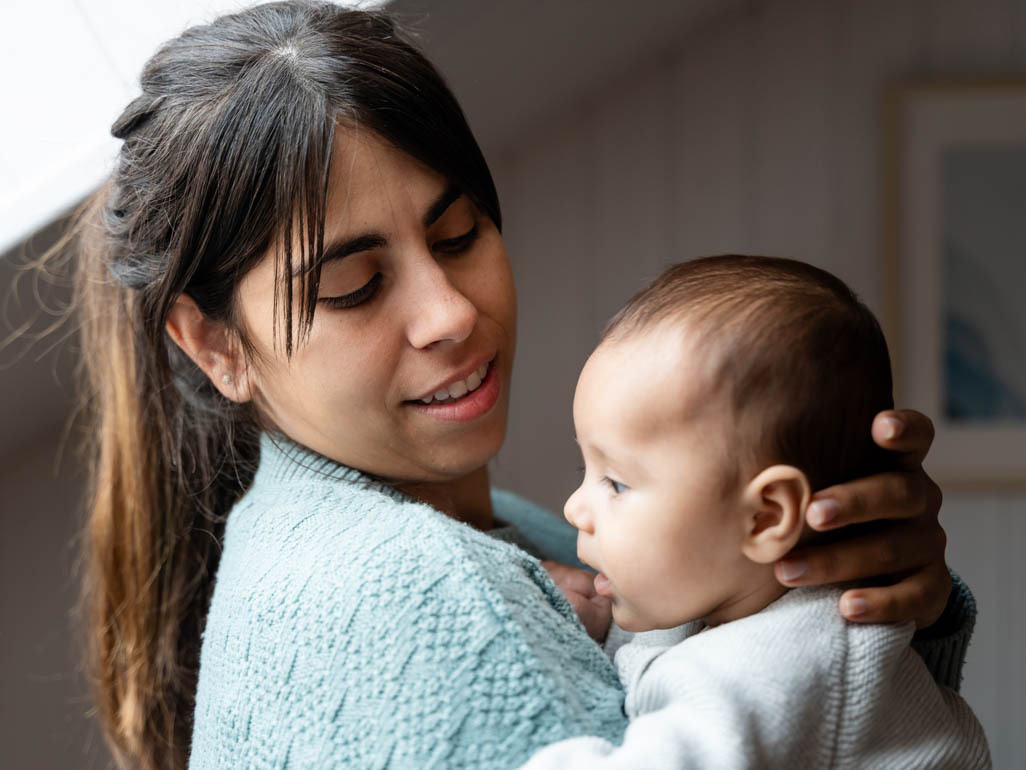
283	460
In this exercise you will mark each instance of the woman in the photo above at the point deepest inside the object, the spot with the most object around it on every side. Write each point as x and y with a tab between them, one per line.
297	307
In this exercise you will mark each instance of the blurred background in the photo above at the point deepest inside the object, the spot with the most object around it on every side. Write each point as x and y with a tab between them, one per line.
623	138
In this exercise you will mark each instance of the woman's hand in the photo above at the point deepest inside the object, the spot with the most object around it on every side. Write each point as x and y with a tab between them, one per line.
909	552
578	585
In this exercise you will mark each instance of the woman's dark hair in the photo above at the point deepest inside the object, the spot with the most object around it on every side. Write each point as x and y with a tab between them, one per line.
225	159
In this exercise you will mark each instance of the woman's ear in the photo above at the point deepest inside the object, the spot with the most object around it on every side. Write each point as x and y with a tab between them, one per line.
774	504
208	344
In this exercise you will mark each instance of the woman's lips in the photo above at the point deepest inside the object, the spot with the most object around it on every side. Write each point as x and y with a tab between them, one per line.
467	407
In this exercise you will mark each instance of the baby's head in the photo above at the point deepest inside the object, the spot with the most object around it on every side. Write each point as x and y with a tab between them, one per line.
719	398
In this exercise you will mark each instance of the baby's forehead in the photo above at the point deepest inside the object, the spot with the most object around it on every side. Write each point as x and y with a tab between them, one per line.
656	379
670	352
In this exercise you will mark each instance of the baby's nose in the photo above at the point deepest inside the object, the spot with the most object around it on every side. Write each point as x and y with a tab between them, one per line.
576	512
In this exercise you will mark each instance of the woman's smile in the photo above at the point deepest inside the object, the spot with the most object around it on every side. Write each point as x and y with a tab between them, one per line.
464	399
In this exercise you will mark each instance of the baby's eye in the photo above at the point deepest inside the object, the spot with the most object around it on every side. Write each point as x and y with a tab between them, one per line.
617	487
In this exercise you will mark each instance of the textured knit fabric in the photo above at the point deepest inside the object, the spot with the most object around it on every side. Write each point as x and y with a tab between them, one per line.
942	646
352	626
793	686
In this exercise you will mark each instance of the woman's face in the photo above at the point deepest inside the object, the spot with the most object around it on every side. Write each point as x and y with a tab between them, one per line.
416	302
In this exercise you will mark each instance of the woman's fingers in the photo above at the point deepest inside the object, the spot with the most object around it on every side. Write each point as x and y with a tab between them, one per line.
922	596
578	580
905	431
595	613
900	548
578	585
895	495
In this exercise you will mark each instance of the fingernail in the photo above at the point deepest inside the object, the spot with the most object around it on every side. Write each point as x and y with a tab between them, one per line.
892	427
822	512
854	607
792	570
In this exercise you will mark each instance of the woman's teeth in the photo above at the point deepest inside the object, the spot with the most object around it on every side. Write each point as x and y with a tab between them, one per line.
460	388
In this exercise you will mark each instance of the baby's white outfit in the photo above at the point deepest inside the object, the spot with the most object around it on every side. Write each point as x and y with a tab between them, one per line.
792	686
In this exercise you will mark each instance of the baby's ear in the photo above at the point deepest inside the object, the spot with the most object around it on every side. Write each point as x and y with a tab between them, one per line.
774	508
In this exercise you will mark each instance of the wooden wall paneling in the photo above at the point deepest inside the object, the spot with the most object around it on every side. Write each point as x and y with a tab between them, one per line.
969	37
875	41
792	173
851	127
1013	641
972	534
633	207
1016	35
713	126
1004	614
549	193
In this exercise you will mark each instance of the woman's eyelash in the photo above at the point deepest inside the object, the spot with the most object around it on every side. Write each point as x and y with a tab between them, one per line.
458	244
354	298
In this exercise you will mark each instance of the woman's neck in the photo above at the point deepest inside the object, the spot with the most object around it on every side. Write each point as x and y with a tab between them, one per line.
467	499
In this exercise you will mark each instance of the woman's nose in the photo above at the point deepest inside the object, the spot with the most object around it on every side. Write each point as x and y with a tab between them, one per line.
438	310
576	512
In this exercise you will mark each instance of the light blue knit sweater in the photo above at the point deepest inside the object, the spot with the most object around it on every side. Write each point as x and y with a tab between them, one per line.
352	626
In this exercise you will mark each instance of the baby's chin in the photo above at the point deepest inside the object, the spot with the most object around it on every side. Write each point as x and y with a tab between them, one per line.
630	621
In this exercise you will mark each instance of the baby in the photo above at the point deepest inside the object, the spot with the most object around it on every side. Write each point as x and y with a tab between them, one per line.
718	399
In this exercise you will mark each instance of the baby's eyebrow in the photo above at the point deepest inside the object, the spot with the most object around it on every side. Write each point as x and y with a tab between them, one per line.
591	447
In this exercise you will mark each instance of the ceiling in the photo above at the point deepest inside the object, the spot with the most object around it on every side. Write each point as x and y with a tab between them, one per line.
68	71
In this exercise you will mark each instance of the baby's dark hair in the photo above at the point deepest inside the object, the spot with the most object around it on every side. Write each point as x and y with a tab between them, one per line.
801	361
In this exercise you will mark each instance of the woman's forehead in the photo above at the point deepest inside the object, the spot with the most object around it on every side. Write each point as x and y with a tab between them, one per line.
371	182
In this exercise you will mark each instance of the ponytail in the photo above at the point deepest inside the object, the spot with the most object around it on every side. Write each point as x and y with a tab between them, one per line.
164	474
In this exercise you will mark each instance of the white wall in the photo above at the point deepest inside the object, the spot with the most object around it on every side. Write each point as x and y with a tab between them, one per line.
755	133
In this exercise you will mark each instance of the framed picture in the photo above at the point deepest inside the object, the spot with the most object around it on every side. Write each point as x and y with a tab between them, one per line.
955	270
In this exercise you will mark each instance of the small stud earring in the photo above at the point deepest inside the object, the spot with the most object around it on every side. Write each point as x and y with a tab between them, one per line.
227	379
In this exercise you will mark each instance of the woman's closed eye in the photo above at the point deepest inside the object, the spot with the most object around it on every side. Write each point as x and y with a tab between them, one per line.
450	246
458	244
354	298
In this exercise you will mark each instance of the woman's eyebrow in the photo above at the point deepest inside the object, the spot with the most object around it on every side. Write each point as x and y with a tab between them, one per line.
342	249
367	241
449	196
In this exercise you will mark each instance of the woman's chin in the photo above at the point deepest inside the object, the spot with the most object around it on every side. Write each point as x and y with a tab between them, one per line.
466	457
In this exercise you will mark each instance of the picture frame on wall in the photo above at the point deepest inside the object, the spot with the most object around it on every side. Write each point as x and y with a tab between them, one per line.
955	270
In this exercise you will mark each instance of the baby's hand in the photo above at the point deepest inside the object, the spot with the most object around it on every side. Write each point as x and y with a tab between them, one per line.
594	611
